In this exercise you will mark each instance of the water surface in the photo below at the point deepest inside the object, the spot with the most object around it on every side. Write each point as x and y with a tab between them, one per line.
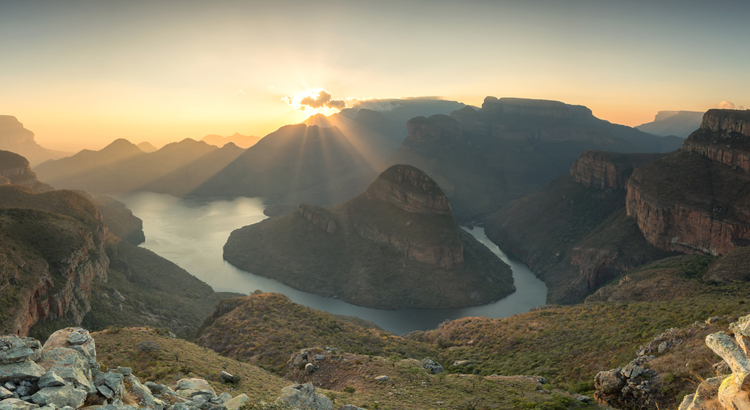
191	233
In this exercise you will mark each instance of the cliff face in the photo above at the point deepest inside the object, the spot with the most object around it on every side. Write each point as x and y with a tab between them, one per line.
695	200
14	137
607	170
16	170
319	217
52	278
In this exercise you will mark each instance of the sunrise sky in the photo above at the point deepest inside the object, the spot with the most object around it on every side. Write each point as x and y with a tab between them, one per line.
82	73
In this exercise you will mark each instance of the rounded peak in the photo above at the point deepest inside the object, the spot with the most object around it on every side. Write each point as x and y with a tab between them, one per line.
411	189
11	160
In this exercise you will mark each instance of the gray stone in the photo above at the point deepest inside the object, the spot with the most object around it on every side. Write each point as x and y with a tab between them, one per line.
26	370
116	382
142	394
23	391
631	371
105	391
60	396
225	397
125	371
199	400
183	406
35	347
10	386
433	367
17	404
156	388
189	387
663	346
310	367
50	379
13	350
303	396
320	357
87	348
229	378
71	365
381	378
5	393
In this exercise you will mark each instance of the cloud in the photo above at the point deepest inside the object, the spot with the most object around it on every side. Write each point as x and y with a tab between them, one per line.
315	99
726	105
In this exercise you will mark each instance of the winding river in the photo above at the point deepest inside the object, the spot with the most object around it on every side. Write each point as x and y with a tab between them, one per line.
191	233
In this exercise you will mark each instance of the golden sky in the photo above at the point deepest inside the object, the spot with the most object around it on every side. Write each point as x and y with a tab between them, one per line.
83	73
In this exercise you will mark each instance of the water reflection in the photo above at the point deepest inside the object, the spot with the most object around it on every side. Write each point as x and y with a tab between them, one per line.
192	232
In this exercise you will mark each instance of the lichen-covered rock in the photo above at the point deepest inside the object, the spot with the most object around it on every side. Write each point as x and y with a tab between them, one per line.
70	365
50	379
75	338
17	404
236	403
304	397
26	370
190	387
60	396
13	349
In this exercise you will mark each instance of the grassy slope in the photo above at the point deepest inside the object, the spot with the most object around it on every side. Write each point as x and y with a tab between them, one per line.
409	386
345	265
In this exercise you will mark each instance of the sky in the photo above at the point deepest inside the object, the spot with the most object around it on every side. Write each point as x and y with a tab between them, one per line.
83	73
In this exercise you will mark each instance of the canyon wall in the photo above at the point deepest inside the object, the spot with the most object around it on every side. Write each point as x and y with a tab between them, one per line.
607	170
693	200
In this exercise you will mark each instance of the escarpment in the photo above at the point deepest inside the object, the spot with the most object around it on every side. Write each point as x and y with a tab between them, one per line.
607	170
396	245
695	200
50	263
574	233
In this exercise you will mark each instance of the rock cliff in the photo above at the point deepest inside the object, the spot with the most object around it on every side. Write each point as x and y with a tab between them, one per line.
695	200
16	170
574	233
608	170
14	137
396	245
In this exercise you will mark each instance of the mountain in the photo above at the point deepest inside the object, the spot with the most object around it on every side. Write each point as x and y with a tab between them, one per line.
14	137
60	264
678	123
15	169
288	161
510	148
146	147
177	168
574	233
242	141
695	200
394	246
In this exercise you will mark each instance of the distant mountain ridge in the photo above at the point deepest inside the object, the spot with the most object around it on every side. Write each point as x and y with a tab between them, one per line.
678	123
14	137
242	141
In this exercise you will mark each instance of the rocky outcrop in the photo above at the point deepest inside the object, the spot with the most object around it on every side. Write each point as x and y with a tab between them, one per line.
303	396
319	217
732	392
727	122
607	170
694	200
65	373
684	229
537	108
16	170
410	189
14	137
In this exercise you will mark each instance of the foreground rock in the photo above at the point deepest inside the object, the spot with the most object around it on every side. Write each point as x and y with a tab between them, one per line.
732	392
64	374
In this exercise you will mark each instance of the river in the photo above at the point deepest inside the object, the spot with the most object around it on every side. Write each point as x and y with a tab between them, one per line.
191	233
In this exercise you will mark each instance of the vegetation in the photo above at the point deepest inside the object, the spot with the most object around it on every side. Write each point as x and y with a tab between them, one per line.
361	271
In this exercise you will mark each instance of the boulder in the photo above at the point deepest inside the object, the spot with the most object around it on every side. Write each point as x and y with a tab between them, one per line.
142	395
723	345
381	378
310	367
304	397
50	379
60	396
75	338
69	364
5	393
237	402
26	370
17	404
13	350
229	378
225	397
189	387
